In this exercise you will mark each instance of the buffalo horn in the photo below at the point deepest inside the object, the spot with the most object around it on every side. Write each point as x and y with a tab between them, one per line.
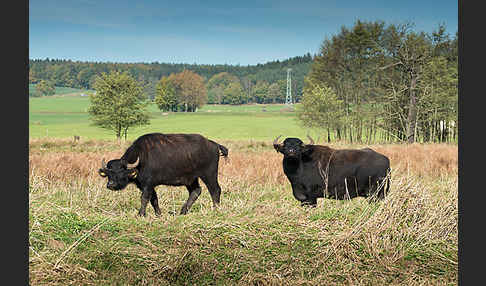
130	166
275	142
103	164
310	138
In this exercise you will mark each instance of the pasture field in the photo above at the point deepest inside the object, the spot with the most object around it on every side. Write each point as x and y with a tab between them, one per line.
80	233
61	90
66	116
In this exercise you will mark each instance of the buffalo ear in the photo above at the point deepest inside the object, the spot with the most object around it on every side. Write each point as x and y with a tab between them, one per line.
101	173
307	150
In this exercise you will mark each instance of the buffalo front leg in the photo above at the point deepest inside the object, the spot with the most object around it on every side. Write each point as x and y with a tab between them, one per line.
194	192
145	197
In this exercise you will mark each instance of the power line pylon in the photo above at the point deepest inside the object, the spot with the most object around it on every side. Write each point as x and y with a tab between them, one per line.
288	98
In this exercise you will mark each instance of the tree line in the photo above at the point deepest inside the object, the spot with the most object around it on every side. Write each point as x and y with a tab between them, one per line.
376	82
248	82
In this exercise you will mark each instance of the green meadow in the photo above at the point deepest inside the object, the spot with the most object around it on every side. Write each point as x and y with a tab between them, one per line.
66	116
61	90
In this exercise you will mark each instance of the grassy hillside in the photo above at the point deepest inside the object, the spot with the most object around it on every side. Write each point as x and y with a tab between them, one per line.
80	233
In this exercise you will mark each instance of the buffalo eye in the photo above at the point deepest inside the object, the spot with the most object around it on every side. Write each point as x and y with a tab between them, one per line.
103	174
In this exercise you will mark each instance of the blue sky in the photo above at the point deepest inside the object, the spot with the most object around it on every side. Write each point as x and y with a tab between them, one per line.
210	32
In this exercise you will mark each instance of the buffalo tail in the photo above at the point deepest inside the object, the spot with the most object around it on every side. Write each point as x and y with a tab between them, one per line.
224	150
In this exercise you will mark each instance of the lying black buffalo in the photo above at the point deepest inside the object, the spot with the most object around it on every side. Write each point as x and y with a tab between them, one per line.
317	171
167	159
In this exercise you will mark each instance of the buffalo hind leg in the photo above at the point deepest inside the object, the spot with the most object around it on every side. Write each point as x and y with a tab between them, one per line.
155	202
384	184
213	188
377	190
194	192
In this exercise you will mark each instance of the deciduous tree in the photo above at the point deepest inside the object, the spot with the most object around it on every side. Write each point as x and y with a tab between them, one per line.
118	104
166	97
320	108
190	90
233	94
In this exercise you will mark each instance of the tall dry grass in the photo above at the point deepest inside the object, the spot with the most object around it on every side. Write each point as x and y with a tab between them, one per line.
59	159
81	233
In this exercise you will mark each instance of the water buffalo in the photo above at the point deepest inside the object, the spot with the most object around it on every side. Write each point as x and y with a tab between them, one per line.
317	171
167	159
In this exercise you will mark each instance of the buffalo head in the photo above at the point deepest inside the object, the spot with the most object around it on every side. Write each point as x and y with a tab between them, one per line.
119	173
292	147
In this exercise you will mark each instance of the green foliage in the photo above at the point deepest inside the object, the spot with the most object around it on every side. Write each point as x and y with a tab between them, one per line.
222	79
166	98
86	77
274	93
118	104
321	108
439	100
261	91
44	88
388	78
217	86
83	74
233	94
215	95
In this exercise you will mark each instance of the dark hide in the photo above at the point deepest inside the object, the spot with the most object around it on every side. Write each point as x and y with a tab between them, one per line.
167	159
347	173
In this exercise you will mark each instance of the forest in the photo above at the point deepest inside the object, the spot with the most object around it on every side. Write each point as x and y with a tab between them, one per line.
389	81
77	74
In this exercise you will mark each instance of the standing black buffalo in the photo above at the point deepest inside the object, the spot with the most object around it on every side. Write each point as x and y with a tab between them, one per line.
167	159
316	171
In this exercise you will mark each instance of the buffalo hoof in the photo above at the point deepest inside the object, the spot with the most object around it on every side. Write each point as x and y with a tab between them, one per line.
172	212
308	205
